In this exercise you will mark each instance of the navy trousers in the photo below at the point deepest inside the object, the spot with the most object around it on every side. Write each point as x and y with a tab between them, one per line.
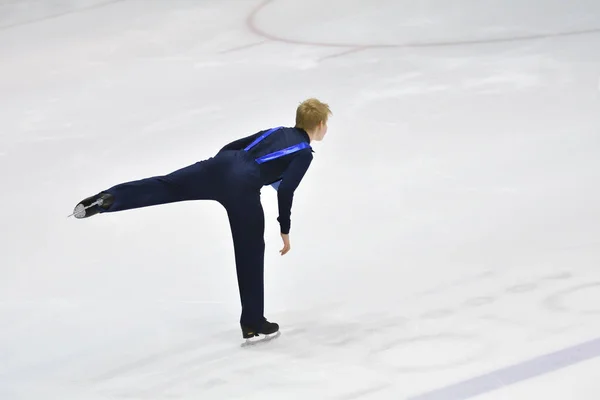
231	178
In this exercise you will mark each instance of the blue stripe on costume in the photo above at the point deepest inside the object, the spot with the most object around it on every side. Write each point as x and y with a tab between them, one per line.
284	152
276	154
261	137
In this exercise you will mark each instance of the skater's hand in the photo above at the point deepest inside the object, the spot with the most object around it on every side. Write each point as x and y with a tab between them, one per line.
286	244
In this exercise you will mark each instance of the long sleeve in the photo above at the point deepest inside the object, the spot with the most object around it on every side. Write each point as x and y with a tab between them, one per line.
289	182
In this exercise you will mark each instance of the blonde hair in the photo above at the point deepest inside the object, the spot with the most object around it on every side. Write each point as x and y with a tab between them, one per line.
310	113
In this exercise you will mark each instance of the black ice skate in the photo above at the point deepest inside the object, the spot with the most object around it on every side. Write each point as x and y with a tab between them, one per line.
265	328
90	206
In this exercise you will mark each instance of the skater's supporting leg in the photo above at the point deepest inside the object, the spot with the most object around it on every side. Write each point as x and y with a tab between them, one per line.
246	218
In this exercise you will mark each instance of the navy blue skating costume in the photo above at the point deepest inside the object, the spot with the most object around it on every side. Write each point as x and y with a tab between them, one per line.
233	177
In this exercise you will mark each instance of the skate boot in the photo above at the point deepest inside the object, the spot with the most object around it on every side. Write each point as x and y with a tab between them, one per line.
92	205
264	328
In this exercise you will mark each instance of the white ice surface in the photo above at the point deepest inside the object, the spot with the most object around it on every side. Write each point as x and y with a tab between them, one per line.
448	227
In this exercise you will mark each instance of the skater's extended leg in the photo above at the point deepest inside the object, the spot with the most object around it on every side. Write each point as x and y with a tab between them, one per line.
147	192
196	182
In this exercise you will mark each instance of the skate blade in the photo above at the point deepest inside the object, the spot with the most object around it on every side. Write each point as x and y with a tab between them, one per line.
261	339
78	212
